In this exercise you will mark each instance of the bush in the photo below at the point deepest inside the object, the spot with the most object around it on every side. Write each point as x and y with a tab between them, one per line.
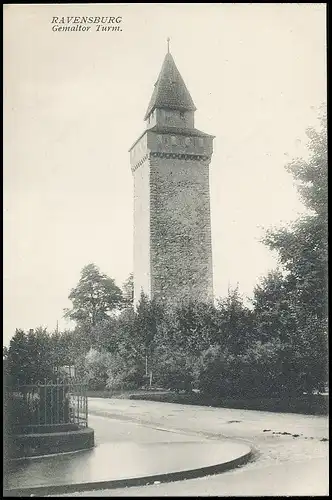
124	373
262	371
126	379
93	367
173	370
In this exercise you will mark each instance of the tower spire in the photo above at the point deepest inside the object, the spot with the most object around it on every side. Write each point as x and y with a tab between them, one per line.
170	91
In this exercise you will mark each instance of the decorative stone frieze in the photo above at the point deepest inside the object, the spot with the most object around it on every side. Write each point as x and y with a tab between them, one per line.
179	156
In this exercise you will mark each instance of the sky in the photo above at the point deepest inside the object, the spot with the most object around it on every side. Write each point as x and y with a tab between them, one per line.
74	103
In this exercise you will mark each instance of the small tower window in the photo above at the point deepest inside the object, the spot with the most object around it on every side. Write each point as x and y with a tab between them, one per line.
173	139
201	141
182	115
187	141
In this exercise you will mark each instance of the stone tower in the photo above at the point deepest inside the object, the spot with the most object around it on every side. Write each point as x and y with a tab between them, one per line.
172	226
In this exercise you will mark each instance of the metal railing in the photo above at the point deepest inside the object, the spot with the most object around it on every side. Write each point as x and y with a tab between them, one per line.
60	403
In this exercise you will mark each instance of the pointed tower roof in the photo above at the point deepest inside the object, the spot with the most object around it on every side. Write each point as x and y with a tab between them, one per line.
170	90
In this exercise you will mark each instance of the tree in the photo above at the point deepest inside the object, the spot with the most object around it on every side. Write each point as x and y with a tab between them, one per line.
127	345
185	333
92	368
273	314
4	352
260	371
16	358
128	290
40	354
29	358
302	247
67	346
190	326
174	369
95	296
311	174
104	335
302	250
148	315
123	374
234	322
5	361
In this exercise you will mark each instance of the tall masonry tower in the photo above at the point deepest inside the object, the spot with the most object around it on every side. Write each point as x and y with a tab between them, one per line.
172	226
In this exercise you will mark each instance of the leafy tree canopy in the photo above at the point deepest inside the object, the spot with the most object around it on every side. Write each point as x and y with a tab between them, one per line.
95	296
128	290
29	357
302	247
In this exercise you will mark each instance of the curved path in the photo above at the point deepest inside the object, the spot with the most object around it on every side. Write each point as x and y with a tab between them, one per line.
293	449
126	454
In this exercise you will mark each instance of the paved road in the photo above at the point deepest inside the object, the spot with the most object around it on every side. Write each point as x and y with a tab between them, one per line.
292	448
118	431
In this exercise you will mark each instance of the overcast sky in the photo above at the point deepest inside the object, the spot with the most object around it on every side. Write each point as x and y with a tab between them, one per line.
74	103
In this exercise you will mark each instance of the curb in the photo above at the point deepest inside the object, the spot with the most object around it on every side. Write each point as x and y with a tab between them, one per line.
35	445
136	481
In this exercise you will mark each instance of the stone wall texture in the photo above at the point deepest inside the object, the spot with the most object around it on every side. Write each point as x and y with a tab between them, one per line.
180	241
172	224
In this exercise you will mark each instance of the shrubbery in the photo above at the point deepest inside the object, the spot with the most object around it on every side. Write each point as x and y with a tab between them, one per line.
181	356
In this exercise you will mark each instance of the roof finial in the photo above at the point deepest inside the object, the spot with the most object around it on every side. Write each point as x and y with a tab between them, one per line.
168	40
